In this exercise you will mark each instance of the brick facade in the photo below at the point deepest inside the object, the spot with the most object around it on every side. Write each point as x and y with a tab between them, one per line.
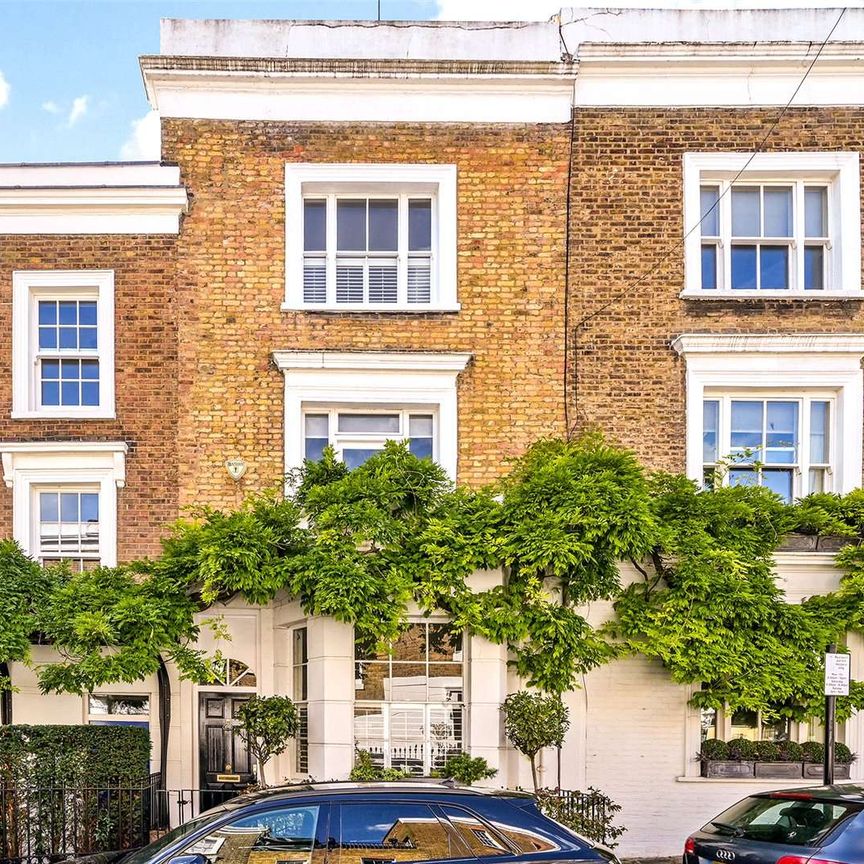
627	217
511	202
146	371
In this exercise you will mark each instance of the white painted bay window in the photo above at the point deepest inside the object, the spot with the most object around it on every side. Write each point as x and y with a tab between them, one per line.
782	442
372	237
408	709
780	224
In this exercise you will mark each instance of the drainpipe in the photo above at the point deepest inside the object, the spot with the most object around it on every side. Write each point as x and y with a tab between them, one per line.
164	689
5	696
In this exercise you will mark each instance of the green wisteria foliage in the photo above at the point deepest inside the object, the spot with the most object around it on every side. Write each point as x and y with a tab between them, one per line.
366	546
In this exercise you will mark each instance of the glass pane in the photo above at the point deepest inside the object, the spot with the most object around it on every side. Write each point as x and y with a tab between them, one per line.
407	739
314	226
351	225
778	212
89	506
50	393
70	393
709	267
87	337
50	369
420	225
407	683
317	425
774	264
819	432
817	480
445	682
314	448
814	268
383	226
775	730
47	337
746	425
87	312
709	723
781	430
815	211
68	312
48	507
266	836
420	425
778	480
746	213
445	734
744	267
369	731
70	369
708	197
371	681
369	423
404	832
68	337
422	448
354	457
68	506
710	429
445	644
411	645
743	477
90	370
745	724
47	312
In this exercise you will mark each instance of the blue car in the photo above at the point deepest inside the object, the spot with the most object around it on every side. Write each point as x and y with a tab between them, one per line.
818	825
350	823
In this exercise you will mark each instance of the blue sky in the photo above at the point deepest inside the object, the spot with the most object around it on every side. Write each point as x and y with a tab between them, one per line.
70	86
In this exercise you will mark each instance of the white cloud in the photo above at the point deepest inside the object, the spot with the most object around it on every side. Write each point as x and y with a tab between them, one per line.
51	107
79	109
144	142
4	90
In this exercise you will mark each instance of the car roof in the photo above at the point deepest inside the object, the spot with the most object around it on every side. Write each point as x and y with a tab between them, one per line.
848	792
402	787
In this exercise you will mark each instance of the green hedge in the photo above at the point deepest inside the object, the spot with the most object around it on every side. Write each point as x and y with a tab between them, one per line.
74	755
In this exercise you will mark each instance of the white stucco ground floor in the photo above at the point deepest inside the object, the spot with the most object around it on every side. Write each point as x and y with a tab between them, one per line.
633	734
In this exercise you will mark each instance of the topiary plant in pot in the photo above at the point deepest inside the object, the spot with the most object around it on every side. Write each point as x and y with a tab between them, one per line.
781	760
721	759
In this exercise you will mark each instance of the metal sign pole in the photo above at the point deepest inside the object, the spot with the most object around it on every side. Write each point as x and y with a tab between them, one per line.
837	669
830	714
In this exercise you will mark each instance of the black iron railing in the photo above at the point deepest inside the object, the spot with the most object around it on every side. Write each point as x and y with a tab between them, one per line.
44	824
590	813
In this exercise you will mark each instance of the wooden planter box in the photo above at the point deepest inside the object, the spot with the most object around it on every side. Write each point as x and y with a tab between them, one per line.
732	770
813	771
778	770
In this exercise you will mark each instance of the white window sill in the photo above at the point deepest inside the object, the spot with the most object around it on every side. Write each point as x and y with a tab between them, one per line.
64	415
772	295
414	308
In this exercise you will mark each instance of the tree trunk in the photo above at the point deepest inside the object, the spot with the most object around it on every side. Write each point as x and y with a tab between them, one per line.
262	781
533	759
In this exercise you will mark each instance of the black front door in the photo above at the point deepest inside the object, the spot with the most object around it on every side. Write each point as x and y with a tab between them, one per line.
225	766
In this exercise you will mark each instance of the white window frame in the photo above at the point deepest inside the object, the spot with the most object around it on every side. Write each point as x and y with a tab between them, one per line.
36	541
30	286
29	466
310	180
838	170
779	366
802	465
421	382
119	719
373	440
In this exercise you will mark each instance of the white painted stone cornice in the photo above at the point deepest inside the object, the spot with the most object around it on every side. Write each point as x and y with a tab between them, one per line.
47	455
133	198
406	361
346	91
803	343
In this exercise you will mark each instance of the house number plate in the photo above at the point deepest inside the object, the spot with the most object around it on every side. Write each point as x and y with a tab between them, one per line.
227	778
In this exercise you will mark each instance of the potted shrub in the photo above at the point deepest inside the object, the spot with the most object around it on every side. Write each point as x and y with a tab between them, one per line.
781	760
726	759
814	752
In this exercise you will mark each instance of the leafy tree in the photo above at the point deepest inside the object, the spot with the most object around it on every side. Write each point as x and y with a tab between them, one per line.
466	769
267	724
533	721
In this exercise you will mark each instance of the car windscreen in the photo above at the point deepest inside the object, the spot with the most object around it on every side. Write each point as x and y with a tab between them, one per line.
147	853
794	820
